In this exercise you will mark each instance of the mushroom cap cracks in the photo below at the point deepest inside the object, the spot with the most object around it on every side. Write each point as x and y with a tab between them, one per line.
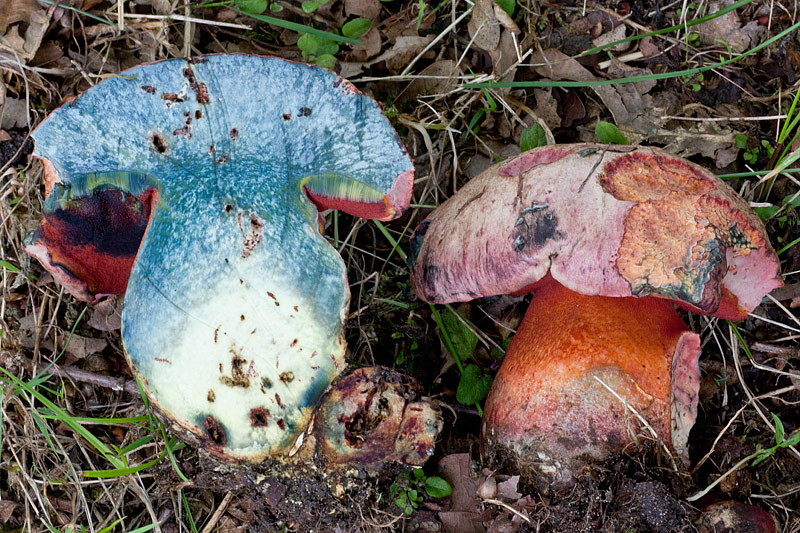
201	180
603	220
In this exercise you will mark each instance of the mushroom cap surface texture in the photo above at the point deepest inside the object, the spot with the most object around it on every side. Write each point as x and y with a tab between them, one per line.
604	221
195	187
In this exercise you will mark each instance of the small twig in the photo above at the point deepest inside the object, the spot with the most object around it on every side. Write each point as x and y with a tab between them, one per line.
506	506
76	374
218	513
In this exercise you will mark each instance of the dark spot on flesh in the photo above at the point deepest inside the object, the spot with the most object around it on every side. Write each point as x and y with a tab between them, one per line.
296	310
186	131
234	134
198	115
305	111
287	116
266	383
188	73
211	395
216	335
202	94
197	60
163	360
294	343
287	377
278	399
228	208
535	226
211	150
241	318
359	426
274	299
188	121
252	239
223	159
158	142
171	97
238	378
149	89
215	431
281	423
259	417
313	354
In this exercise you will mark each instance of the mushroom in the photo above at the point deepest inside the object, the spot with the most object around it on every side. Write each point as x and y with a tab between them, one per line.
608	239
195	187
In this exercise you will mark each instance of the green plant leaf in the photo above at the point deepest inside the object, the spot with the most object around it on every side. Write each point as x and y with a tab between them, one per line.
463	339
532	137
356	27
779	431
309	6
473	386
308	44
326	61
251	6
327	48
437	487
767	212
507	6
741	141
608	133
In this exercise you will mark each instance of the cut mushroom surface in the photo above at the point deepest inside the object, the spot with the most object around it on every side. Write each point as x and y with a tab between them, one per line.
195	187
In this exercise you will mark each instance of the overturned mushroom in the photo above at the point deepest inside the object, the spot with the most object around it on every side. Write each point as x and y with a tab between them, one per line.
194	187
608	238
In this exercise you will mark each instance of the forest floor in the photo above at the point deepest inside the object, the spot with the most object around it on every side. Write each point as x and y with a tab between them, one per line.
67	390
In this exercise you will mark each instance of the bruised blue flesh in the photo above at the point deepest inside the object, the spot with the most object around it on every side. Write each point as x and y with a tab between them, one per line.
234	310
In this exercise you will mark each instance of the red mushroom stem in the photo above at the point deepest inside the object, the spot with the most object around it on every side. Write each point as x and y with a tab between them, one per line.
551	394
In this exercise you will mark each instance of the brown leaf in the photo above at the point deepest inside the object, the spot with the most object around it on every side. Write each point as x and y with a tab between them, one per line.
457	470
107	315
438	77
484	29
369	9
405	48
507	489
461	522
13	11
728	28
504	58
80	346
6	510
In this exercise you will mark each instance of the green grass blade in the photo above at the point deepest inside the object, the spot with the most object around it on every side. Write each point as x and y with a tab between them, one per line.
299	27
670	29
76	10
633	79
66	419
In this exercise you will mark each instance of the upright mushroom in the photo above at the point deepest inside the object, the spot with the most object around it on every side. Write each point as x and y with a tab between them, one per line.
194	187
608	238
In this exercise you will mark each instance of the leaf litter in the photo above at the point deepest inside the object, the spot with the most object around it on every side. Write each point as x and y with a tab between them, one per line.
49	54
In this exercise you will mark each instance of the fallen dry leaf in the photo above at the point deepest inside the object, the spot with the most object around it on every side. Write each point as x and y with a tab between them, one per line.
438	77
728	28
107	314
369	9
13	11
483	26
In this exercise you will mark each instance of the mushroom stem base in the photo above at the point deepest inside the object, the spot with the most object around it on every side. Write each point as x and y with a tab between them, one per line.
587	376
